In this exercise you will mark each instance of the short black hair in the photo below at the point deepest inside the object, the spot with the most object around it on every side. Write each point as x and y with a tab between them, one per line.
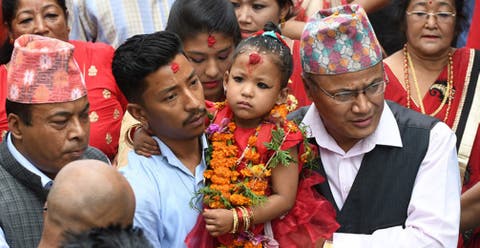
113	236
400	17
141	55
9	9
270	45
283	3
22	110
188	18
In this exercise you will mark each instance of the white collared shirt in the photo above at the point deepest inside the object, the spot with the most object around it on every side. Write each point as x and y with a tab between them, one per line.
25	162
434	209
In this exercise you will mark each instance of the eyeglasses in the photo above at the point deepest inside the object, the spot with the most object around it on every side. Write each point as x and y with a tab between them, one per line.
442	16
347	96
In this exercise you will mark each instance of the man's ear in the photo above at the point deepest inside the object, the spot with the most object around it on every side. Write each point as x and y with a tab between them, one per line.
15	126
282	97
308	87
138	112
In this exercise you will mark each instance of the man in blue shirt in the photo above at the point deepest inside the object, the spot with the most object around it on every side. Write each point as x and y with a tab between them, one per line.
166	97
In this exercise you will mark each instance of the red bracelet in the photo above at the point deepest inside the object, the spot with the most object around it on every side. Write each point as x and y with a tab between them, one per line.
241	218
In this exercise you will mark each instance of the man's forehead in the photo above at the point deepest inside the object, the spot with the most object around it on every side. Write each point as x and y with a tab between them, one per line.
364	76
176	72
48	109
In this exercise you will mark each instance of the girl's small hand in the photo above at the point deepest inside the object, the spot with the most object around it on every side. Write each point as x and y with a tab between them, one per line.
144	144
219	221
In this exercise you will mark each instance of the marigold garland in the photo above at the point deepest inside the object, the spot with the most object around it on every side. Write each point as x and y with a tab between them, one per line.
228	185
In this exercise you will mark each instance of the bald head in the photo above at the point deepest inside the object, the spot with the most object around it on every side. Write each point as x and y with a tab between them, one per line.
87	194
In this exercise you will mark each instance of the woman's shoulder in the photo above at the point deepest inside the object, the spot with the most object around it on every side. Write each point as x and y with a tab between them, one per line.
92	45
96	50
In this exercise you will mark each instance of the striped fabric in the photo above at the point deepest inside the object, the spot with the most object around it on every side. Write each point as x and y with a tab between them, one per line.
113	21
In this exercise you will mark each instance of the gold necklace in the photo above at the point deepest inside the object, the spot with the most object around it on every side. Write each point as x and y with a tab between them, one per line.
448	96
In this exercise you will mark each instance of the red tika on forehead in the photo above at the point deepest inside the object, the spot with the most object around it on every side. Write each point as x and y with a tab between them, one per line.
211	40
175	67
254	58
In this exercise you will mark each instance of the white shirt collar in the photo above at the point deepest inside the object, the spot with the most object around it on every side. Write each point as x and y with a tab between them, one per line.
387	133
22	160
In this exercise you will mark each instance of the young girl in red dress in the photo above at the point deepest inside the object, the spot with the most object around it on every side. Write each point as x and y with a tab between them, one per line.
254	195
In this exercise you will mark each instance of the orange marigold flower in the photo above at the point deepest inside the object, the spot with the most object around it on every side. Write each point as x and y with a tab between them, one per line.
219	180
208	173
258	186
246	172
223	172
234	176
252	140
292	127
252	156
231	126
239	200
216	204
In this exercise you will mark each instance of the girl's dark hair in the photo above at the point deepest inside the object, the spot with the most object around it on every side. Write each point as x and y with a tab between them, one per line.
141	55
9	9
283	3
270	45
400	17
187	18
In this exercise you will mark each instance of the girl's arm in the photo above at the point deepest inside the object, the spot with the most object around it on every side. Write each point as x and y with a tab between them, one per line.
282	199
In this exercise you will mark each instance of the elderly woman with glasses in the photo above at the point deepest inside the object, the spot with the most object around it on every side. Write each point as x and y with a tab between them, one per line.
432	77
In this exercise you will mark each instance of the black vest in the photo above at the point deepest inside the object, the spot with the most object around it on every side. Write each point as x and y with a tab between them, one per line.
382	189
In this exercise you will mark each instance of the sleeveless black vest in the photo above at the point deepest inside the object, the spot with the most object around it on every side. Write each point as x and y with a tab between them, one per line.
382	189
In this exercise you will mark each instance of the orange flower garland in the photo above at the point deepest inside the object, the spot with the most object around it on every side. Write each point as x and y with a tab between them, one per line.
229	187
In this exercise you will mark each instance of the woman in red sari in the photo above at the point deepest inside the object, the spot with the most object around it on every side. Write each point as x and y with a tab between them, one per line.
107	103
431	77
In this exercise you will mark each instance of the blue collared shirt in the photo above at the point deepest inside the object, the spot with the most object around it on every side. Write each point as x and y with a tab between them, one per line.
164	189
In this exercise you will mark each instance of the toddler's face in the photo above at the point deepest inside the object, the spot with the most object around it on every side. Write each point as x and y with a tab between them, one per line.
253	87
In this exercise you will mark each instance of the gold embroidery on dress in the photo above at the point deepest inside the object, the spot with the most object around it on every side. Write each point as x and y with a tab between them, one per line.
92	71
93	116
108	138
106	94
116	114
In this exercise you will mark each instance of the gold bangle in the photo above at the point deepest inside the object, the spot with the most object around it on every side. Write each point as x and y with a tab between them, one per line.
128	135
235	221
246	218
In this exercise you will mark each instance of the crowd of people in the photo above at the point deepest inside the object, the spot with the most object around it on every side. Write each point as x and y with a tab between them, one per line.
239	123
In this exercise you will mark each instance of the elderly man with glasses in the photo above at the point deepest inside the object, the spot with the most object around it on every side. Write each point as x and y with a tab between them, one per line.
391	173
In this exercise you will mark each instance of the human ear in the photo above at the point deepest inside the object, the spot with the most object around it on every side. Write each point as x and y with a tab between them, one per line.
308	87
225	81
282	96
138	112
15	125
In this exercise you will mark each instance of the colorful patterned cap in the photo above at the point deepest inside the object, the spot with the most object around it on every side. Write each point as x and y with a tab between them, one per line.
339	40
42	70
